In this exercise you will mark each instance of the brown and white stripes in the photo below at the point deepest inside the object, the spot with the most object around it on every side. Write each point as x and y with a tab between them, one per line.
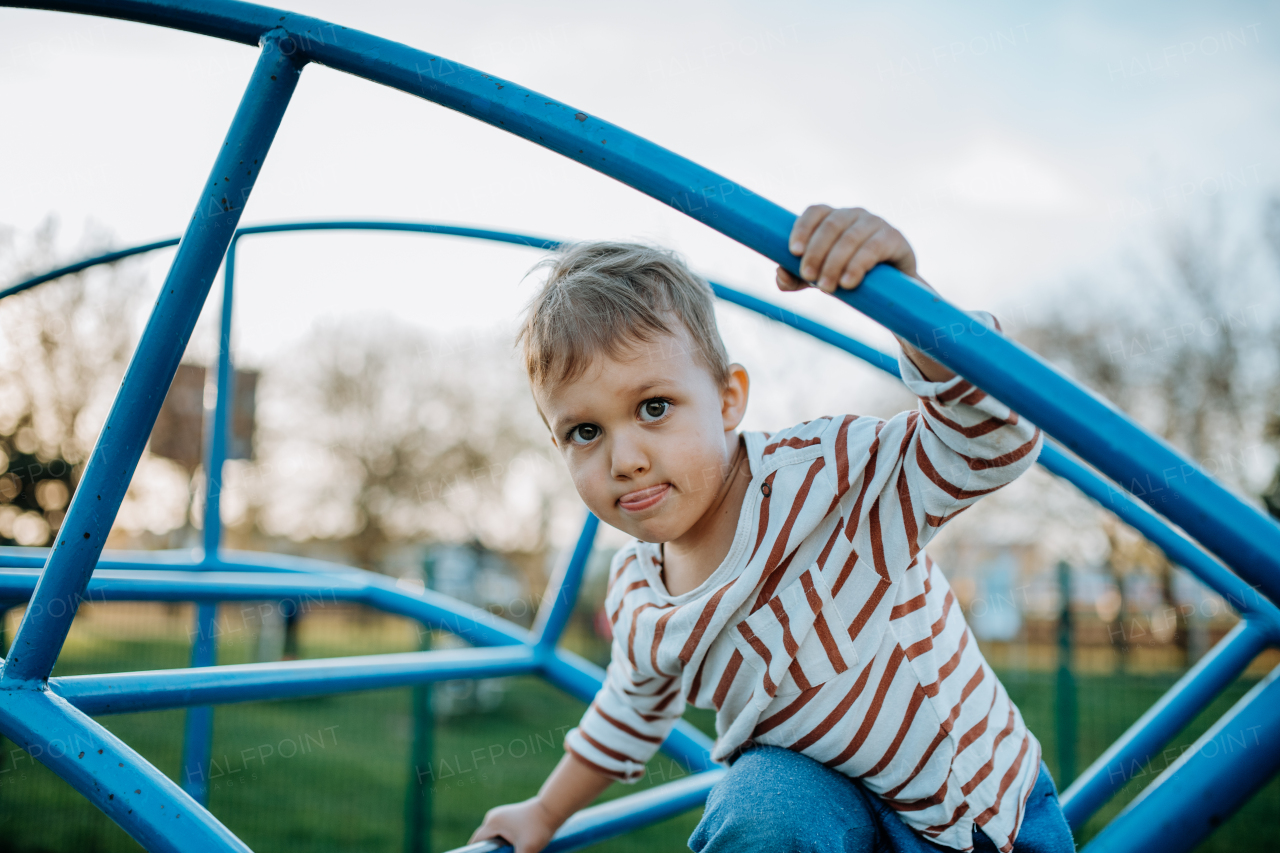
827	630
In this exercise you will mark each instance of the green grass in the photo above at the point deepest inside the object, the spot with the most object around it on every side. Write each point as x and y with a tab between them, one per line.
332	773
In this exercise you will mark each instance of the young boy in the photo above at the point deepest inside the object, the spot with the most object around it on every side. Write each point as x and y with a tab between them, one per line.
778	577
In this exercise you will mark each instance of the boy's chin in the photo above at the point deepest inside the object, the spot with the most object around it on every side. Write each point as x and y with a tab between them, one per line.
643	533
651	531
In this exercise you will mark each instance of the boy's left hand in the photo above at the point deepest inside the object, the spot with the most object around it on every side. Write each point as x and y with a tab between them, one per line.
841	246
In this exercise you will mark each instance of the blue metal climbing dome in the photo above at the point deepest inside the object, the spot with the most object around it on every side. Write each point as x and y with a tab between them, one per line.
1199	524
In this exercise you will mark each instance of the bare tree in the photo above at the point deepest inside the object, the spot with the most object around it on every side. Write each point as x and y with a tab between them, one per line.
63	349
1197	363
373	433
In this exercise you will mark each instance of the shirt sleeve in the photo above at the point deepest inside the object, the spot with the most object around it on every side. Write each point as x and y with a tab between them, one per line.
631	715
903	479
627	721
962	444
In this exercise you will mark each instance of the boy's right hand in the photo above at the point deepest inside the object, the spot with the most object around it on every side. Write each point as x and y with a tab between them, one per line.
527	825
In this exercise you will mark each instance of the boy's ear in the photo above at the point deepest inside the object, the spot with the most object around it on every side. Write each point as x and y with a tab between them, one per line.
733	397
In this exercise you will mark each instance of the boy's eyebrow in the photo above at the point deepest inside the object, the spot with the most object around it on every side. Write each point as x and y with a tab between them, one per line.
574	417
642	387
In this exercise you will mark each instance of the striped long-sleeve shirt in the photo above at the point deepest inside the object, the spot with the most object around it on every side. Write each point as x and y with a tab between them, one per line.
827	630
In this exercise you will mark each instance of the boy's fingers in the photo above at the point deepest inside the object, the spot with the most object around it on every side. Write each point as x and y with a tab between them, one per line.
838	258
815	254
873	251
804	225
786	281
887	246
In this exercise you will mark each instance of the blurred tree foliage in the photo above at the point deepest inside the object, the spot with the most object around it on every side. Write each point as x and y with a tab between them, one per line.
1193	352
1190	348
63	348
374	432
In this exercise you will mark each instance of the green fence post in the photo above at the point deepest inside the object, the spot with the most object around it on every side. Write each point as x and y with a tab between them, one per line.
1066	685
418	805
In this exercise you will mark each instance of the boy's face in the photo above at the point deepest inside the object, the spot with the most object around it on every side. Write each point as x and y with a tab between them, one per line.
648	438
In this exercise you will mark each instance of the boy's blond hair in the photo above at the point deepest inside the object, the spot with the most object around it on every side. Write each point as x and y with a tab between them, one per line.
603	297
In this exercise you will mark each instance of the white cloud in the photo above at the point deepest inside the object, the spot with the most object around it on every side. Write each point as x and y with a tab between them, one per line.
997	174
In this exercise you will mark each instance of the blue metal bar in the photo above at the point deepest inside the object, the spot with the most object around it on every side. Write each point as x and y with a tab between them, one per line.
219	418
337	225
1207	782
870	355
128	425
197	737
257	561
1129	755
167	585
197	734
18	557
109	257
473	624
412	227
155	690
620	816
143	801
562	589
617	817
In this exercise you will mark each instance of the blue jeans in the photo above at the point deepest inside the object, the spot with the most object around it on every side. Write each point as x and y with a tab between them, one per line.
773	799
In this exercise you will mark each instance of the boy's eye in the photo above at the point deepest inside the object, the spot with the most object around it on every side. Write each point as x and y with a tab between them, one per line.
652	410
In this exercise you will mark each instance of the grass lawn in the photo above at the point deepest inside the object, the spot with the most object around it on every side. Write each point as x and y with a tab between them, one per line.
332	773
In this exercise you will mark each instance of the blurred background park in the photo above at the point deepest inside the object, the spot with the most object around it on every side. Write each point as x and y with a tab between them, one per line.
1103	180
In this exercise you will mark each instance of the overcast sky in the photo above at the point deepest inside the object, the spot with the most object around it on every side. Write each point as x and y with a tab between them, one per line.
1018	146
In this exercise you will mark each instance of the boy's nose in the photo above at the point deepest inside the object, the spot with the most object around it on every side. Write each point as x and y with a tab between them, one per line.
629	458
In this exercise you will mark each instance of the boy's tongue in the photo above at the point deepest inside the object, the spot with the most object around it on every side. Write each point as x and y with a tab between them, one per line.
643	498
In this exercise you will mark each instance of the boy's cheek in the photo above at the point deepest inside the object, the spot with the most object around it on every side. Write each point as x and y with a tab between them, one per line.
593	493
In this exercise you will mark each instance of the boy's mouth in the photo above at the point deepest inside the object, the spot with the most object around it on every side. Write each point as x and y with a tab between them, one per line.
642	499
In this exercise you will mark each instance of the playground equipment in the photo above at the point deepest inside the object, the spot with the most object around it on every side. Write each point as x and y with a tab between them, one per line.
51	717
